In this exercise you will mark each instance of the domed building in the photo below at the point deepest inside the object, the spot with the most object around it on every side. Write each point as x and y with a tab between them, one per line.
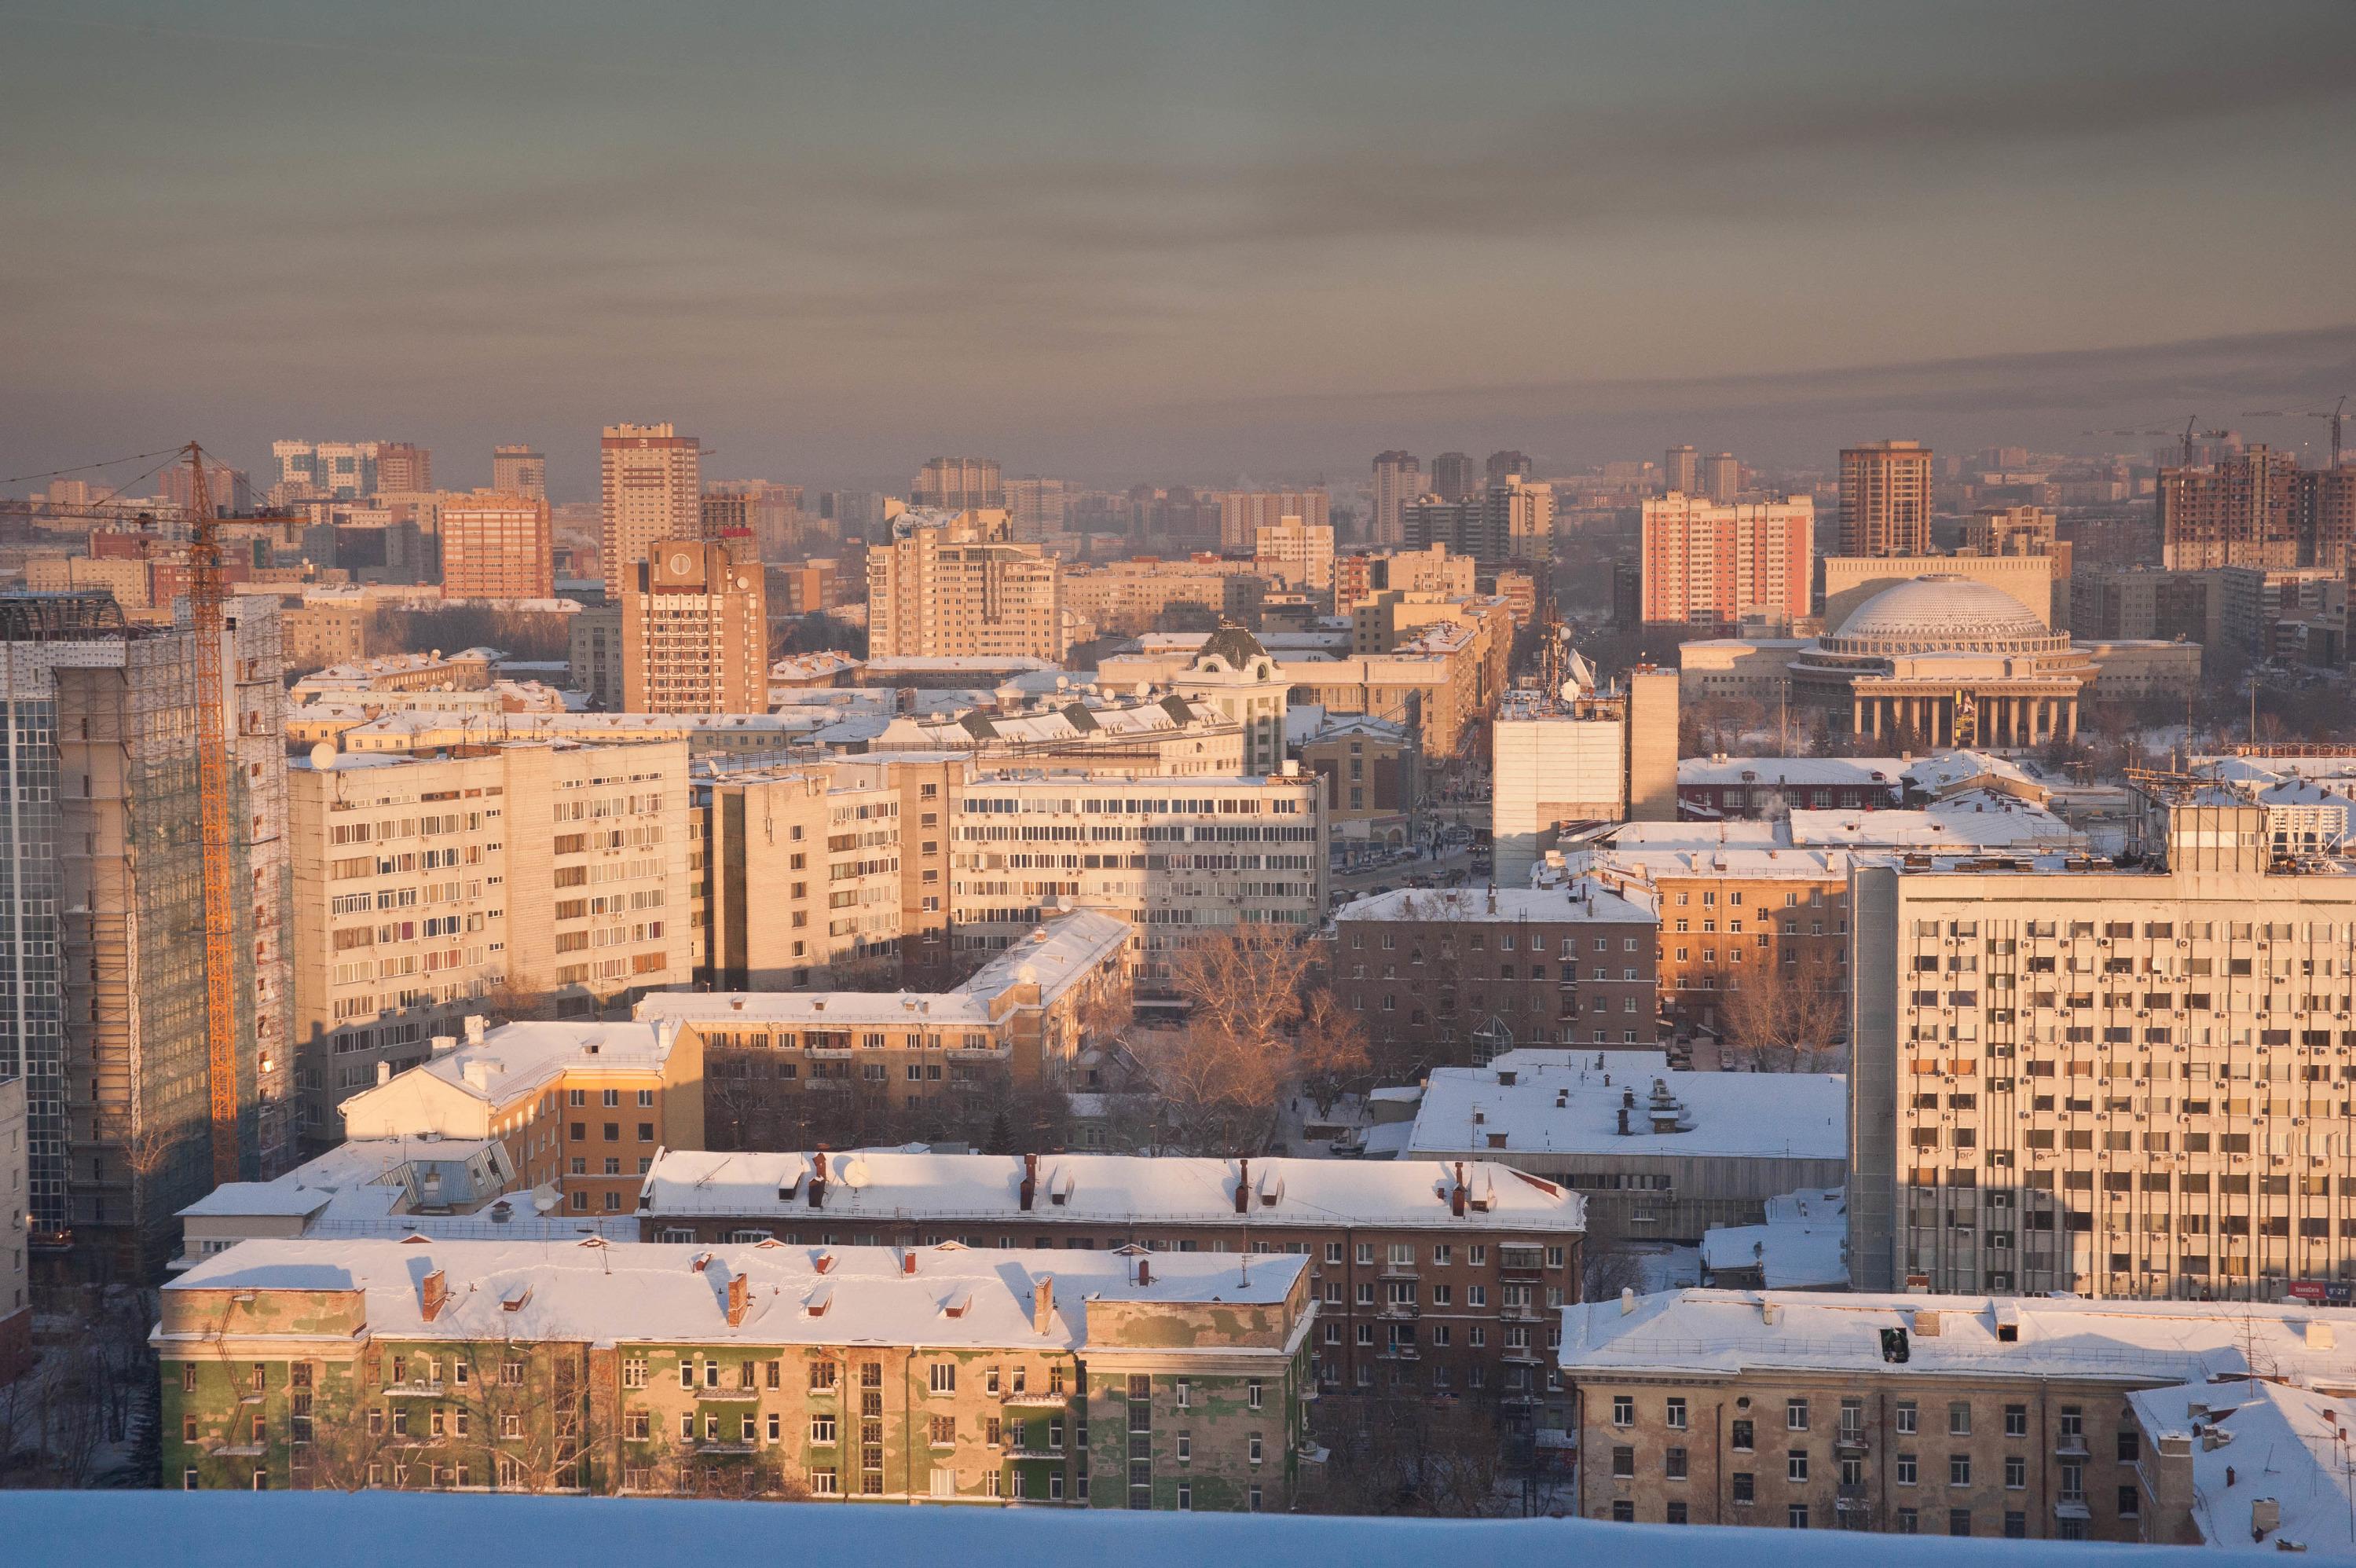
1947	660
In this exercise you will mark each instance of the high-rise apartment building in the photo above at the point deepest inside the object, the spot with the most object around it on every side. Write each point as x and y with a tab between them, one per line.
403	466
1885	489
957	585
1242	513
1706	565
1509	465
1454	478
1511	520
2108	1080
1681	471
651	489
331	470
1036	507
1399	480
803	865
229	489
2243	510
496	545
423	883
105	969
519	471
1297	553
1722	478
1523	513
959	484
695	632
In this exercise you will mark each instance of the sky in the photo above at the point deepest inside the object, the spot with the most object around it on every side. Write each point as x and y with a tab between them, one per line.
1207	241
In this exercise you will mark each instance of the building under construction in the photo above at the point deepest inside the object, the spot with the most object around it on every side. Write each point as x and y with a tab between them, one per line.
103	953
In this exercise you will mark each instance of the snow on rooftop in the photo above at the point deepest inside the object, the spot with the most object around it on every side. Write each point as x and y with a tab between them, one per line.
617	1293
516	1059
1569	1102
1726	1332
2281	1445
1583	900
1107	1189
1803	1245
260	1199
390	1530
1782	772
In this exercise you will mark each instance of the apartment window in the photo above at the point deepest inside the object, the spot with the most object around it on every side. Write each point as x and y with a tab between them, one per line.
944	1376
1906	1416
2016	1421
1672	1463
1907	1471
1959	1470
1959	1419
1623	1463
1796	1415
1910	1522
1796	1464
1959	1521
1796	1516
1739	1437
1623	1410
1674	1416
1743	1488
2016	1472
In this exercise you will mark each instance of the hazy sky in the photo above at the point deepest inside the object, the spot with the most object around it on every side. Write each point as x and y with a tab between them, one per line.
1192	240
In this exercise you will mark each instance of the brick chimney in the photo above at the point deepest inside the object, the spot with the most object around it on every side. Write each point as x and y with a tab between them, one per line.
1030	1181
1145	1271
702	1262
740	1297
1043	1303
817	1179
1243	1187
437	1290
908	1262
1456	1194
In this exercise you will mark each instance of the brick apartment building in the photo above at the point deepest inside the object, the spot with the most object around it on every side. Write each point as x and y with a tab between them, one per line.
1447	1278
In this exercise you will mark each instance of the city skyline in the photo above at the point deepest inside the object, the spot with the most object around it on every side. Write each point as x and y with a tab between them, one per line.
1153	243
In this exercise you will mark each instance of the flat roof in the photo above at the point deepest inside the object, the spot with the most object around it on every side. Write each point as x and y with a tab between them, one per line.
1568	1102
1108	1189
1581	900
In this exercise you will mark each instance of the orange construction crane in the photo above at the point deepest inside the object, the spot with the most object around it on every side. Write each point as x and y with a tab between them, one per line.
206	594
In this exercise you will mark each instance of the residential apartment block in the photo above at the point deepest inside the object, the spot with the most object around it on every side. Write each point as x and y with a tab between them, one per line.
956	585
651	488
1242	513
2241	512
959	484
496	545
1443	1278
1104	1380
421	883
519	471
1462	975
1726	565
1913	1414
2115	1079
1885	499
1124	597
695	632
779	1060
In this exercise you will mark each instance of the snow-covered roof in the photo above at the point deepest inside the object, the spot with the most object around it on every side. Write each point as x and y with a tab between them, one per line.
1582	900
1950	770
1569	1102
655	1292
1977	819
1803	1245
1056	955
2280	1444
1111	1189
515	1059
1725	1333
1784	772
259	1200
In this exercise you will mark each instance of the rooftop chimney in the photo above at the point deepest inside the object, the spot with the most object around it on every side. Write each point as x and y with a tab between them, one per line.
1043	1303
1030	1181
475	1024
740	1297
817	1179
1243	1187
1145	1271
908	1262
702	1262
384	1072
1627	1300
1456	1193
435	1291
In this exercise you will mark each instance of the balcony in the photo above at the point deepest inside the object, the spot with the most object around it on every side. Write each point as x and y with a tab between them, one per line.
2070	1445
1520	1313
707	1396
414	1390
725	1445
1036	1399
1032	1451
1849	1440
1400	1309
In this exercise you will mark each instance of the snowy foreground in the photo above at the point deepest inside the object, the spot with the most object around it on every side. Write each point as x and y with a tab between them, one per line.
239	1530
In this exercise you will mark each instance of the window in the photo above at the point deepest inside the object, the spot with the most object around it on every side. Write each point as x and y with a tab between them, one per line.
1672	1463
1959	1419
1623	1463
1959	1470
1959	1521
1624	1511
1252	1394
1185	1498
1907	1415
1675	1514
1796	1464
944	1376
1623	1410
2016	1472
1796	1516
1907	1471
1796	1415
1739	1435
2016	1421
1910	1522
1743	1488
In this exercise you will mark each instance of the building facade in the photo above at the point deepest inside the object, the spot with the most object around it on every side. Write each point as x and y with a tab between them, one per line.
1242	513
1398	479
958	484
518	470
496	545
1432	1279
1711	565
2241	512
695	632
1885	492
2117	1080
422	885
956	585
651	488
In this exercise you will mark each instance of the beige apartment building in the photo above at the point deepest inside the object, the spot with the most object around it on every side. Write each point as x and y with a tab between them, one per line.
650	489
2115	1080
778	1060
956	585
1125	597
1725	565
1296	554
519	471
695	632
421	883
1432	570
1885	499
496	545
1908	1414
804	875
1177	858
1242	513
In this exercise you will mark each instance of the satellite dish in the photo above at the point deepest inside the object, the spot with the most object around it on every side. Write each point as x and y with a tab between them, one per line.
1145	688
323	755
1063	682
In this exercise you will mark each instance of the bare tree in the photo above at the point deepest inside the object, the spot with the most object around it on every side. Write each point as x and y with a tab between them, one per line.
1782	1015
515	999
1608	1266
1245	983
1402	1453
1333	1047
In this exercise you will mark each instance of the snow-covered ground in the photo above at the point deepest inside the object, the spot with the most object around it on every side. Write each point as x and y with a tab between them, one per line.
379	1529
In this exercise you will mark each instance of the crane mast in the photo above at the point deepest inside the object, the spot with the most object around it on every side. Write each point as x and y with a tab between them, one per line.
206	622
